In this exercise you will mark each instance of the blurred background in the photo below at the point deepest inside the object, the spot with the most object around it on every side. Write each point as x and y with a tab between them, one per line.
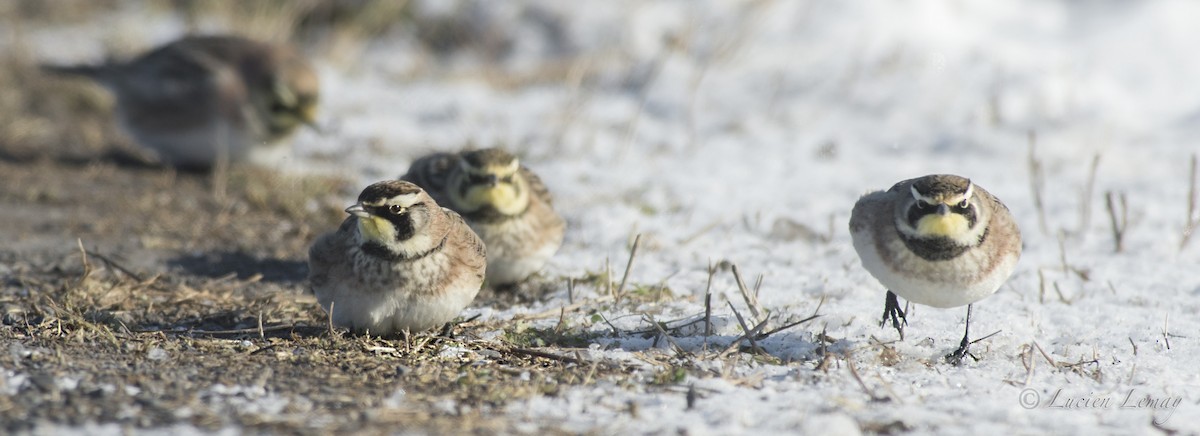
644	108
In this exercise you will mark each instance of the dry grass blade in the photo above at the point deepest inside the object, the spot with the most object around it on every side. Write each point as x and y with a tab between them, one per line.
259	330
1166	336
1052	362
1118	219
750	298
329	320
679	351
712	271
549	313
570	290
112	263
1041	286
767	334
637	241
1085	205
1192	220
986	337
1037	183
748	334
87	266
867	390
542	354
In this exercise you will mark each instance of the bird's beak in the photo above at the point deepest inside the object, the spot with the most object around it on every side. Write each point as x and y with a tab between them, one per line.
943	209
358	210
492	180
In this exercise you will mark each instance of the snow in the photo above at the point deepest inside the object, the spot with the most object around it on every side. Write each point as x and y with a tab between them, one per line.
703	125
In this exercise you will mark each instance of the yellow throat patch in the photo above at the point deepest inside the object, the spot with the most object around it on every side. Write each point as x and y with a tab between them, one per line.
502	197
949	225
376	229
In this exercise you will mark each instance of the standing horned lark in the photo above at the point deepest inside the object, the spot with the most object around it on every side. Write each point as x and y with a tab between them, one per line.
505	203
937	240
201	100
399	262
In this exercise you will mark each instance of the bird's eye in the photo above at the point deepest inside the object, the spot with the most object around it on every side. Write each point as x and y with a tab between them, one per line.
395	209
922	204
964	204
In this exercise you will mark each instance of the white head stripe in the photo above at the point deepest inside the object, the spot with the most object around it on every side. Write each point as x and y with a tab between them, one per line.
403	200
917	195
966	195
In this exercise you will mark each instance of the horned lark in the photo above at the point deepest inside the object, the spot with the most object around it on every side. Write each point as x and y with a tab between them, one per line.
503	201
398	262
937	240
199	100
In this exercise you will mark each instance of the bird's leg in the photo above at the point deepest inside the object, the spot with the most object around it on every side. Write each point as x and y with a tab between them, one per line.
957	356
448	330
891	309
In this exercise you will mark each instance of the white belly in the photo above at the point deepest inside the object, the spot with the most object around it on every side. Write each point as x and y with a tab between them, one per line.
944	284
389	312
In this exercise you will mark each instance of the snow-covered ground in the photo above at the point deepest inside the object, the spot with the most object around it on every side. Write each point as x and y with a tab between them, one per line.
713	127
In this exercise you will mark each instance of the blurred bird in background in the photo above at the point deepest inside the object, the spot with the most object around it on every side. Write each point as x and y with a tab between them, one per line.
205	100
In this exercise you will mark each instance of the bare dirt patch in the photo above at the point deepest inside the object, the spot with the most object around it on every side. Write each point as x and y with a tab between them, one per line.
133	296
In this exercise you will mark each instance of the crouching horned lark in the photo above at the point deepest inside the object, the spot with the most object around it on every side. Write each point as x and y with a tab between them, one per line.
399	262
503	201
937	240
201	100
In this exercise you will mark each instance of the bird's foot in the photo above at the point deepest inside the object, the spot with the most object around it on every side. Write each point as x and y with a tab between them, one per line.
892	310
